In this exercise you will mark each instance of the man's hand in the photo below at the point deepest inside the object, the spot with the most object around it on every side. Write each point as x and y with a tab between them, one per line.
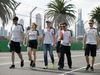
83	48
21	41
9	43
68	43
53	44
98	46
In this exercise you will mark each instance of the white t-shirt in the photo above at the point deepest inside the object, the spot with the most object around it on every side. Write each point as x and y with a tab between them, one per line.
66	37
91	36
58	34
48	36
33	34
17	33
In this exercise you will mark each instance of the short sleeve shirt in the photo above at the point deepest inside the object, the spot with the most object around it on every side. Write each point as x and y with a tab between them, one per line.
66	37
91	36
17	33
48	38
33	34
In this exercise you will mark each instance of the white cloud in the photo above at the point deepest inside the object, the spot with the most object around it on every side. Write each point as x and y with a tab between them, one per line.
85	1
78	1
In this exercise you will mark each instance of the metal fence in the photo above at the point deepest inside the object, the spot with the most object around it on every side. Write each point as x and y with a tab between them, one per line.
4	47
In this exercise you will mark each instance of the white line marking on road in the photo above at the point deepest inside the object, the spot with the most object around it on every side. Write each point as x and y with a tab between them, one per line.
76	69
39	59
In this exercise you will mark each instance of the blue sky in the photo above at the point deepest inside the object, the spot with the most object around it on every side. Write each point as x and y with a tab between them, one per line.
28	5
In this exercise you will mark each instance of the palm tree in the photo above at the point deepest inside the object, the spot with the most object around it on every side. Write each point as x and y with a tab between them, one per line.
95	14
60	11
6	9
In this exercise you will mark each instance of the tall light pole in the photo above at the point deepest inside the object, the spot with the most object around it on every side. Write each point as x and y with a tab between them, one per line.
31	15
16	8
45	18
84	25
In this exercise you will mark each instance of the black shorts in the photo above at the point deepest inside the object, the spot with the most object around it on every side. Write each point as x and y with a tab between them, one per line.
90	48
15	46
32	44
58	47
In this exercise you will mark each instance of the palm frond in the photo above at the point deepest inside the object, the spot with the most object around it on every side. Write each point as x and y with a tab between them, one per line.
59	10
6	10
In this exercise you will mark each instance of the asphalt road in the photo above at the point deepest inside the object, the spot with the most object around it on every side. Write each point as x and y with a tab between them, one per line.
78	62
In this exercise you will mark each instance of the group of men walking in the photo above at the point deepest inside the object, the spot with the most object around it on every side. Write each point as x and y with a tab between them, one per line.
63	37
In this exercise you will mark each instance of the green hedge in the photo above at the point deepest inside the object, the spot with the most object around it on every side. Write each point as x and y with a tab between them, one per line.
4	43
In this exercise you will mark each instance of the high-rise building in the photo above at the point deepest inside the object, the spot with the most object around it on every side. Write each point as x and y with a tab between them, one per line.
39	23
79	26
5	32
2	31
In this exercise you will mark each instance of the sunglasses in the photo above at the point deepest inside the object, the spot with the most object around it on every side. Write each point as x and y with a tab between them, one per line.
14	19
61	26
64	26
90	23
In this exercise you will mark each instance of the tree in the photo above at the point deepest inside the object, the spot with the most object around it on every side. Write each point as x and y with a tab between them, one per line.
6	9
60	11
95	14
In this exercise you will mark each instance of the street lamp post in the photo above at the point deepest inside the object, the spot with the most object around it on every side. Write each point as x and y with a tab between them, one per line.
84	25
31	15
16	7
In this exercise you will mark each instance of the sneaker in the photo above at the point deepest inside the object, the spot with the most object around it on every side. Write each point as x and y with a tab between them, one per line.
53	64
12	67
45	67
31	62
59	68
22	63
70	67
33	65
92	69
88	66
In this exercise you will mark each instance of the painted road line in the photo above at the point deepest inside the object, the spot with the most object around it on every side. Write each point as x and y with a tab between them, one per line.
76	69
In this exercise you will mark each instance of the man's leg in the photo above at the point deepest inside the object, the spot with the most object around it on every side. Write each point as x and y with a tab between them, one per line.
12	57
93	55
87	51
87	59
68	55
51	52
61	61
45	56
92	61
20	56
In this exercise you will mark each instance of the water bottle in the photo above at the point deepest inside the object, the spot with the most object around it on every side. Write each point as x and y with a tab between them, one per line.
38	47
8	46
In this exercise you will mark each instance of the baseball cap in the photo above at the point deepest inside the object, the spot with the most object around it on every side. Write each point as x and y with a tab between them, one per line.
28	28
48	21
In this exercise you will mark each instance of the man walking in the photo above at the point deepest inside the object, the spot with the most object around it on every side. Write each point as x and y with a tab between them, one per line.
48	39
17	32
65	47
91	39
